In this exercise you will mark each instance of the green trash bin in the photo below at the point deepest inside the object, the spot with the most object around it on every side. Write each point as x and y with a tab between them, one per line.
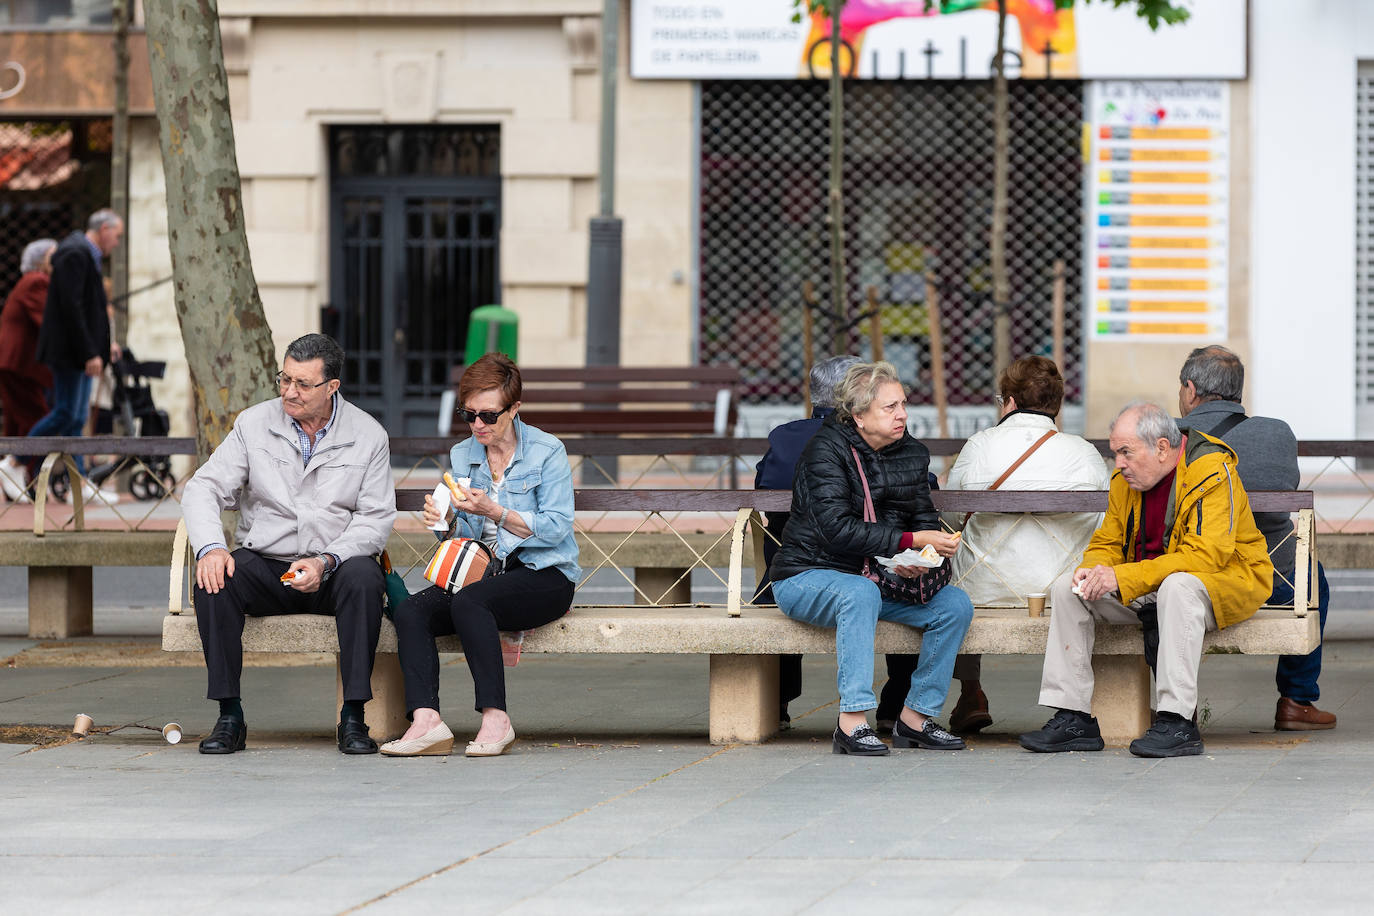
492	328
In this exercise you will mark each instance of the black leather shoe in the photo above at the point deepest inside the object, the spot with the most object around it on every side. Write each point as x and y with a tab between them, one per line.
863	743
354	739
931	737
229	734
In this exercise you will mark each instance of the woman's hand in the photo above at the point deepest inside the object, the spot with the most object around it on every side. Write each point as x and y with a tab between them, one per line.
945	544
479	503
431	512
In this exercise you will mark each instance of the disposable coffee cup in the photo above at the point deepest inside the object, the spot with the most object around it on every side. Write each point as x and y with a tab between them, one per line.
172	732
442	498
82	727
1036	604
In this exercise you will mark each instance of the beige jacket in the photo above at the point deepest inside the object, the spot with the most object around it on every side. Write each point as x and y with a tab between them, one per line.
1005	557
344	502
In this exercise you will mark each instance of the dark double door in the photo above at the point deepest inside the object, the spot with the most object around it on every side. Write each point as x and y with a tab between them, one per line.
410	259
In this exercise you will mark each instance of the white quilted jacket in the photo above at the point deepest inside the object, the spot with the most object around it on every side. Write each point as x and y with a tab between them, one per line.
1005	557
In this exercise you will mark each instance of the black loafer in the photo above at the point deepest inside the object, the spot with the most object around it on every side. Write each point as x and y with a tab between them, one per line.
229	734
863	743
931	737
354	739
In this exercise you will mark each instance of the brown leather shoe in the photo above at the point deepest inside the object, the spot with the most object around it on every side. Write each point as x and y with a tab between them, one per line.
970	713
1292	716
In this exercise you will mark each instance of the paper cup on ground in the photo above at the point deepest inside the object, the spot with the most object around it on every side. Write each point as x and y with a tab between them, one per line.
441	502
82	727
1035	603
172	732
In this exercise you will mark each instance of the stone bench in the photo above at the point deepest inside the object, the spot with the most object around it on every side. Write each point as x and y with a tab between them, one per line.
743	640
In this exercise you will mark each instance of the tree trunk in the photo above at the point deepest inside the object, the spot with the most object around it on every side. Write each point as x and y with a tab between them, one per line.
1001	154
228	343
119	165
836	177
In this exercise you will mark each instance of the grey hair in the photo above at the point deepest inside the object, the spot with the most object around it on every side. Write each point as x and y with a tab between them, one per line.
318	346
826	376
860	386
101	218
34	253
1152	423
1217	374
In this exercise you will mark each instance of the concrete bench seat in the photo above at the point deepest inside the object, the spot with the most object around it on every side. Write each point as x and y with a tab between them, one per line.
744	653
743	640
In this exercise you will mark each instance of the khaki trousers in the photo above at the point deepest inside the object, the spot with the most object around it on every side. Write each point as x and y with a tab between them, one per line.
1185	615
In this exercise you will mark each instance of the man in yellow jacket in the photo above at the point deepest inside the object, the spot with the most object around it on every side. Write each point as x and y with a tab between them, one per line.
1178	535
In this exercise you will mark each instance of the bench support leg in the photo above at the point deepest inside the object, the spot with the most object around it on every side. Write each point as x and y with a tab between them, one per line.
386	711
59	601
744	698
1121	697
653	581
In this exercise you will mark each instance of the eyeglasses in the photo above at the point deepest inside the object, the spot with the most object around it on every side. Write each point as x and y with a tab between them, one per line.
486	416
284	382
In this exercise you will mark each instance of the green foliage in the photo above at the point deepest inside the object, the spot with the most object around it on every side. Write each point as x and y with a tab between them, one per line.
1152	11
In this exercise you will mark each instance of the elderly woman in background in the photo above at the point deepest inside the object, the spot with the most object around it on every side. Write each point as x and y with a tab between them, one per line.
1008	556
23	380
519	502
817	573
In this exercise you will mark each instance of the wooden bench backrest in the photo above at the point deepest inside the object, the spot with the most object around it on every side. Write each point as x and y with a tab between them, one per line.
605	500
610	400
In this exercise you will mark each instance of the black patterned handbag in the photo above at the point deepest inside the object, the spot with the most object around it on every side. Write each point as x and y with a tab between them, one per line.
891	585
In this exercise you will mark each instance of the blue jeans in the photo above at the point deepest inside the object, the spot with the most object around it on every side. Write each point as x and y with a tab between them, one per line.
852	606
1296	675
71	404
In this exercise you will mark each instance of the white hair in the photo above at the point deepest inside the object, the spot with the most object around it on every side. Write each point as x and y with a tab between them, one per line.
34	253
1152	423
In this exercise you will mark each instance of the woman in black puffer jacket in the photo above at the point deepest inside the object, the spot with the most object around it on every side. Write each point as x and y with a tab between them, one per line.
817	573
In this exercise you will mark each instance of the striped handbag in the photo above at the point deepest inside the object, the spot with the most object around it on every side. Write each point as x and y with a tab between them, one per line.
459	562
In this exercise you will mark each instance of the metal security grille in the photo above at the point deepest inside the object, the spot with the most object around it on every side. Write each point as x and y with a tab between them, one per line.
918	200
415	248
1364	249
53	174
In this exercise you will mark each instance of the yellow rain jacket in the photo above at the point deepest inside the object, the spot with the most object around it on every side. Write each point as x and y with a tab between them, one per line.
1209	532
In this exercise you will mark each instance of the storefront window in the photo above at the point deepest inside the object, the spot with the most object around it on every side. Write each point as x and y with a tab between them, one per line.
55	14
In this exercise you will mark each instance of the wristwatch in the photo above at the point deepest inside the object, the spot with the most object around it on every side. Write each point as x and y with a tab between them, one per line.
328	562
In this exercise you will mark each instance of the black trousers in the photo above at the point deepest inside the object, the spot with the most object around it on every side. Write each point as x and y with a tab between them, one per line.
352	596
519	599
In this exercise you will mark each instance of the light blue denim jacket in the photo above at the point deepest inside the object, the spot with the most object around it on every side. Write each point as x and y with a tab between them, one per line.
538	485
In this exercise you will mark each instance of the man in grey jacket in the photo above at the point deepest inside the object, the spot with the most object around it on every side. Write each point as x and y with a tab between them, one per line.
1210	385
311	475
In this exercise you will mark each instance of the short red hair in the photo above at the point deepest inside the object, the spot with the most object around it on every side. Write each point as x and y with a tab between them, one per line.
493	371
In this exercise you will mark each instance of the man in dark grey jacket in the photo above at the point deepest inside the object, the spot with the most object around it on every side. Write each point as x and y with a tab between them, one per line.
1210	385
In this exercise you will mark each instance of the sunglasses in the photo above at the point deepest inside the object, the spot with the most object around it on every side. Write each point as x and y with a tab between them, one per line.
486	416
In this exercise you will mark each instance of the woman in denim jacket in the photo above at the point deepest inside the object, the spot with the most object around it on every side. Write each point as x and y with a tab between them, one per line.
519	502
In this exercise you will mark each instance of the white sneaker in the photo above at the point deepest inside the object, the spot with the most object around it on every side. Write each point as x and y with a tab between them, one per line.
90	494
14	478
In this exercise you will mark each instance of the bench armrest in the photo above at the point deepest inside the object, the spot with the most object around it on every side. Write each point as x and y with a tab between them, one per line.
175	591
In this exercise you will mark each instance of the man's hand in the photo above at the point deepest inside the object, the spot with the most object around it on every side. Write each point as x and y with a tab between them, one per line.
94	366
213	568
309	575
1095	583
116	351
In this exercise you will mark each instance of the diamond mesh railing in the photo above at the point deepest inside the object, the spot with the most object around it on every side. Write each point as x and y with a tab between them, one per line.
918	199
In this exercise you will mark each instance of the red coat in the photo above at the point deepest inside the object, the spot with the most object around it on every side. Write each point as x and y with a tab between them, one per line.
19	324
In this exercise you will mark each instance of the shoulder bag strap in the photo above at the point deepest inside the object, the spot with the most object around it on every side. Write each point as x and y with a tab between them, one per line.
869	514
1017	463
1225	426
